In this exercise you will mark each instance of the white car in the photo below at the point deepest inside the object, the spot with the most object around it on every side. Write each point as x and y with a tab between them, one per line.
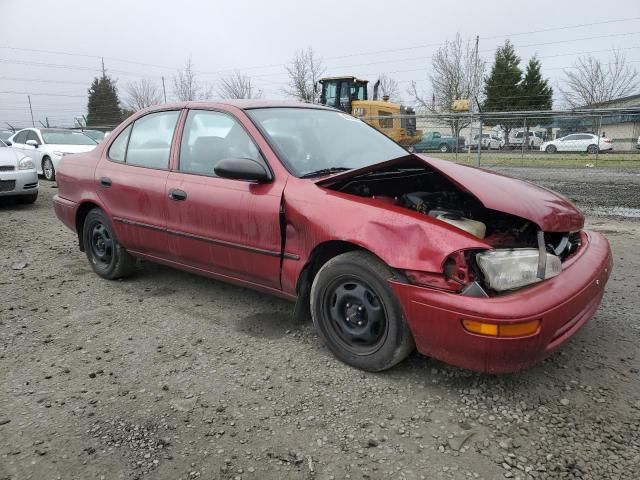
489	142
46	146
578	142
18	177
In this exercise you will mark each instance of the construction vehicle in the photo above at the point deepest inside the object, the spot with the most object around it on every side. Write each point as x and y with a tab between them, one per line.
350	95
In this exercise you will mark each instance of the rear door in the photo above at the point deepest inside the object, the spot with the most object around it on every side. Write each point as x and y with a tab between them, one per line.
224	226
131	178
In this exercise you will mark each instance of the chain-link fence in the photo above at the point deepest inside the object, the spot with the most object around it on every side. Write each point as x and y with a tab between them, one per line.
591	155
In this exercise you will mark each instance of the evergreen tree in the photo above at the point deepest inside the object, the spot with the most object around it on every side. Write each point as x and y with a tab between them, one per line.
104	106
502	86
536	92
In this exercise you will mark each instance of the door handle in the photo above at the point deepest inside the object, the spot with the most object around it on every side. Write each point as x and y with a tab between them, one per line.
178	195
105	181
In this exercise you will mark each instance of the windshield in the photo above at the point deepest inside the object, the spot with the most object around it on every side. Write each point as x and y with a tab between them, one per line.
4	135
94	134
66	138
311	140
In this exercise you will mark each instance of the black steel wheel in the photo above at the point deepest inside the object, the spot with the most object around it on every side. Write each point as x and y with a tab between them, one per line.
357	314
48	170
444	148
106	256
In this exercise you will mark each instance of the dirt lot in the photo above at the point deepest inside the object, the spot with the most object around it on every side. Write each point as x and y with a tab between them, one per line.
168	375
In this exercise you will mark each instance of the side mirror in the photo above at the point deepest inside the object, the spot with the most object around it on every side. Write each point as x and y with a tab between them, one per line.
8	142
33	143
242	169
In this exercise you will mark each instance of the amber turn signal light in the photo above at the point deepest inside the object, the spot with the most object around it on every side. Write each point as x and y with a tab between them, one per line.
521	329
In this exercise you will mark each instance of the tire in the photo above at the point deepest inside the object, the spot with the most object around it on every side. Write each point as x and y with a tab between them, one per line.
592	149
48	170
26	199
551	149
444	148
356	313
106	256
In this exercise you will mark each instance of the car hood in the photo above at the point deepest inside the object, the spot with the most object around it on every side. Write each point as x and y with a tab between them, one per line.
10	156
51	147
549	210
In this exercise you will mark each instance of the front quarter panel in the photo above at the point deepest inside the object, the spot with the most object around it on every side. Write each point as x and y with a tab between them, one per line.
403	239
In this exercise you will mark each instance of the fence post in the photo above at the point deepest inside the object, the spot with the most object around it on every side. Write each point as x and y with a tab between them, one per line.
525	140
479	143
599	130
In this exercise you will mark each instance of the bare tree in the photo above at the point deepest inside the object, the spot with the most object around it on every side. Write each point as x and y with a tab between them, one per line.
388	87
592	81
141	94
186	86
457	74
304	71
237	85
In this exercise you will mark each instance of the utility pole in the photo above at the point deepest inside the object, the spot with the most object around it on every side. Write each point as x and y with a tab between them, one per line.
164	90
31	110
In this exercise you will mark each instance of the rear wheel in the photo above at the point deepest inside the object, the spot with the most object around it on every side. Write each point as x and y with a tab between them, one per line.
106	256
592	149
551	149
444	148
48	169
357	314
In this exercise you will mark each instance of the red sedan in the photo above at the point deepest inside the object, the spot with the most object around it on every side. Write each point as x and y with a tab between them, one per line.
387	250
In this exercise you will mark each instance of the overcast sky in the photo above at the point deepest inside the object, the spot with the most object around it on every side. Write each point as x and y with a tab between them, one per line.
365	38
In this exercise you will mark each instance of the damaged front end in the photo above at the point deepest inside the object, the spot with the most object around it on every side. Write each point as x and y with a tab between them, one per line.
519	251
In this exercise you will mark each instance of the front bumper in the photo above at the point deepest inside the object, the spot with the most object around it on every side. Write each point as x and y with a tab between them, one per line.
18	182
563	305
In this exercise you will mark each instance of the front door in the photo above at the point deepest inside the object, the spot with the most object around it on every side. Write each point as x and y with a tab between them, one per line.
228	227
131	178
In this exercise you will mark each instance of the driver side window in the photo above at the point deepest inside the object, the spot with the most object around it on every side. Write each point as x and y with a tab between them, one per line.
213	136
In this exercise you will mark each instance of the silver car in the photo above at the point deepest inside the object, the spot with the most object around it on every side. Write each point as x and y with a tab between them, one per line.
18	176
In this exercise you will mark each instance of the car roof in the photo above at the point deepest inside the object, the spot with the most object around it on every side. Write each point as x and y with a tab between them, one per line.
243	104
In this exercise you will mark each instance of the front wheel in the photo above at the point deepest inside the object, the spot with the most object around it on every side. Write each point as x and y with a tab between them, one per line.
444	148
48	169
106	256
592	149
551	149
357	314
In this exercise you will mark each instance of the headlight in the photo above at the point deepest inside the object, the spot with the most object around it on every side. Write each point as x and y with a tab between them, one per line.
26	164
515	268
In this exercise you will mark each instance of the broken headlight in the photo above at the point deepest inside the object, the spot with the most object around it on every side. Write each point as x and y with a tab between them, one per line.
514	268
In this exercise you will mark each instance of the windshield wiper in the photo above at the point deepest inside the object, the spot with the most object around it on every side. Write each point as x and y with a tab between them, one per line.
324	171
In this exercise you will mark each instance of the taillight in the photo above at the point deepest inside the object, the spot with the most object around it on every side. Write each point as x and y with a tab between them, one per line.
607	140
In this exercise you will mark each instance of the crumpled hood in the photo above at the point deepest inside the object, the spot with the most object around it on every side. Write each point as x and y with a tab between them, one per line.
549	210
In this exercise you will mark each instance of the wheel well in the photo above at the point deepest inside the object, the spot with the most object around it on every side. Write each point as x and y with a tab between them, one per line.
81	215
320	255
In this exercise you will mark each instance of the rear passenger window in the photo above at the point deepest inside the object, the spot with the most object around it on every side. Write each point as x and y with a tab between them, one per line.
150	140
210	137
118	149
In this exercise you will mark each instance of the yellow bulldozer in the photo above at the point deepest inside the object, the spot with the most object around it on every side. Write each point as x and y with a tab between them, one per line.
350	95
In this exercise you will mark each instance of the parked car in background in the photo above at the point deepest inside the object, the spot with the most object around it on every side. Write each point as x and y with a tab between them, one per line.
638	143
578	142
18	177
436	141
517	139
47	146
5	134
385	249
490	141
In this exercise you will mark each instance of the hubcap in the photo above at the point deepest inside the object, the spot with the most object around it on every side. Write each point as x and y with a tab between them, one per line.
48	168
357	318
101	245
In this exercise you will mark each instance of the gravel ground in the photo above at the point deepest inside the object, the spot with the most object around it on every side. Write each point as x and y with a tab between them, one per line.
171	376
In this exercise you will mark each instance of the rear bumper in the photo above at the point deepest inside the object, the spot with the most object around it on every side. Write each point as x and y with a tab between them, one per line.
562	304
65	211
18	182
